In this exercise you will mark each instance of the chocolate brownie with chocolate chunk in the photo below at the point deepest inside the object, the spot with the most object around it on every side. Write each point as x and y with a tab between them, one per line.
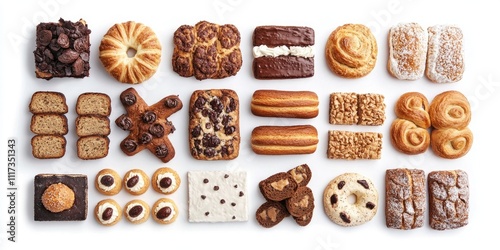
214	131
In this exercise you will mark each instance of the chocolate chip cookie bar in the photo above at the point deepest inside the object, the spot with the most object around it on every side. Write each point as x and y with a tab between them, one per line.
214	130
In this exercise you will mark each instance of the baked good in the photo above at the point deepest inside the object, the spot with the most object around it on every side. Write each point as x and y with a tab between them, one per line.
283	52
450	109
49	124
371	109
165	180
336	200
407	51
149	126
217	196
92	147
60	197
451	143
136	211
136	182
93	103
119	62
414	107
301	202
282	140
108	182
278	187
62	49
165	211
405	198
207	51
445	54
361	109
302	174
351	51
350	145
214	124
87	125
290	104
448	199
407	138
271	213
48	146
43	102
107	212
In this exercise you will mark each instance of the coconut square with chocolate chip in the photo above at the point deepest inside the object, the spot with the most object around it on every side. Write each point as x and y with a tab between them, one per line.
217	196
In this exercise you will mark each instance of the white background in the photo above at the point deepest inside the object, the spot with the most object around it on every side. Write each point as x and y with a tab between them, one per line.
480	83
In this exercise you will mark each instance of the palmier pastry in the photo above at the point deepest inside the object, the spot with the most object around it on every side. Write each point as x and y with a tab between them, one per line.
407	138
414	107
351	51
451	143
116	45
450	109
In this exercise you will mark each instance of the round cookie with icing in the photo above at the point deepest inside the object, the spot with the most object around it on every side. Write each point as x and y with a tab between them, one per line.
337	204
107	212
136	211
136	182
108	182
165	211
166	180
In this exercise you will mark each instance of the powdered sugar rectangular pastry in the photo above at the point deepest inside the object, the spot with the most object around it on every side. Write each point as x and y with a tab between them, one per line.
407	51
445	54
217	196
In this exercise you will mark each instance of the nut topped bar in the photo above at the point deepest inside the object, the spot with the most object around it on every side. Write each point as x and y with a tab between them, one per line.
62	49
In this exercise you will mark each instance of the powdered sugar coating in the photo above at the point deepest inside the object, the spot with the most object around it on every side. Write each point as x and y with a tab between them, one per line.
445	54
407	51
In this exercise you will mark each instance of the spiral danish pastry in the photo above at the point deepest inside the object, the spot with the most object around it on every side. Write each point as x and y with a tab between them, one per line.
414	107
407	138
115	46
451	143
450	109
351	51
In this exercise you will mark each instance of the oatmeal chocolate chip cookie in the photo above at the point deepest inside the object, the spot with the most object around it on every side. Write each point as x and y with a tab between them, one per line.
214	130
149	126
107	212
336	200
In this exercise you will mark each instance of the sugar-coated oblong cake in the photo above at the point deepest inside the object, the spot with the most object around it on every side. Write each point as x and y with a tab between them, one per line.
214	130
407	51
445	54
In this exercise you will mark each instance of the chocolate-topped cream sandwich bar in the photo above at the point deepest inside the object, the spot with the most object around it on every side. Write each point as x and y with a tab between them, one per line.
282	52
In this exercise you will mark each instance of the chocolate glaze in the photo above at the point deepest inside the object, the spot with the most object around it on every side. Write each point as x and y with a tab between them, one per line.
273	36
283	67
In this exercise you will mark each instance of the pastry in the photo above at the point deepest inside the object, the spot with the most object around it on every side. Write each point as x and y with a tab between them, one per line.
92	147
62	49
450	109
290	104
302	174
271	213
43	102
164	211
407	138
405	198
336	200
165	180
207	51
448	199
451	143
107	212
93	103
108	182
350	145
49	124
445	54
283	140
357	109
48	146
136	211
282	52
136	182
116	47
407	51
217	196
214	124
278	187
414	107
60	197
149	126
301	202
351	51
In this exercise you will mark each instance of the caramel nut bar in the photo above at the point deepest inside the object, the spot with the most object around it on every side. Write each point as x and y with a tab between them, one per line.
357	109
354	145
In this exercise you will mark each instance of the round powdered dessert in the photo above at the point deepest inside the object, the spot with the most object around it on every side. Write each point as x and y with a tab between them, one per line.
136	211
58	197
165	180
107	212
108	182
165	211
130	52
351	51
136	182
337	204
